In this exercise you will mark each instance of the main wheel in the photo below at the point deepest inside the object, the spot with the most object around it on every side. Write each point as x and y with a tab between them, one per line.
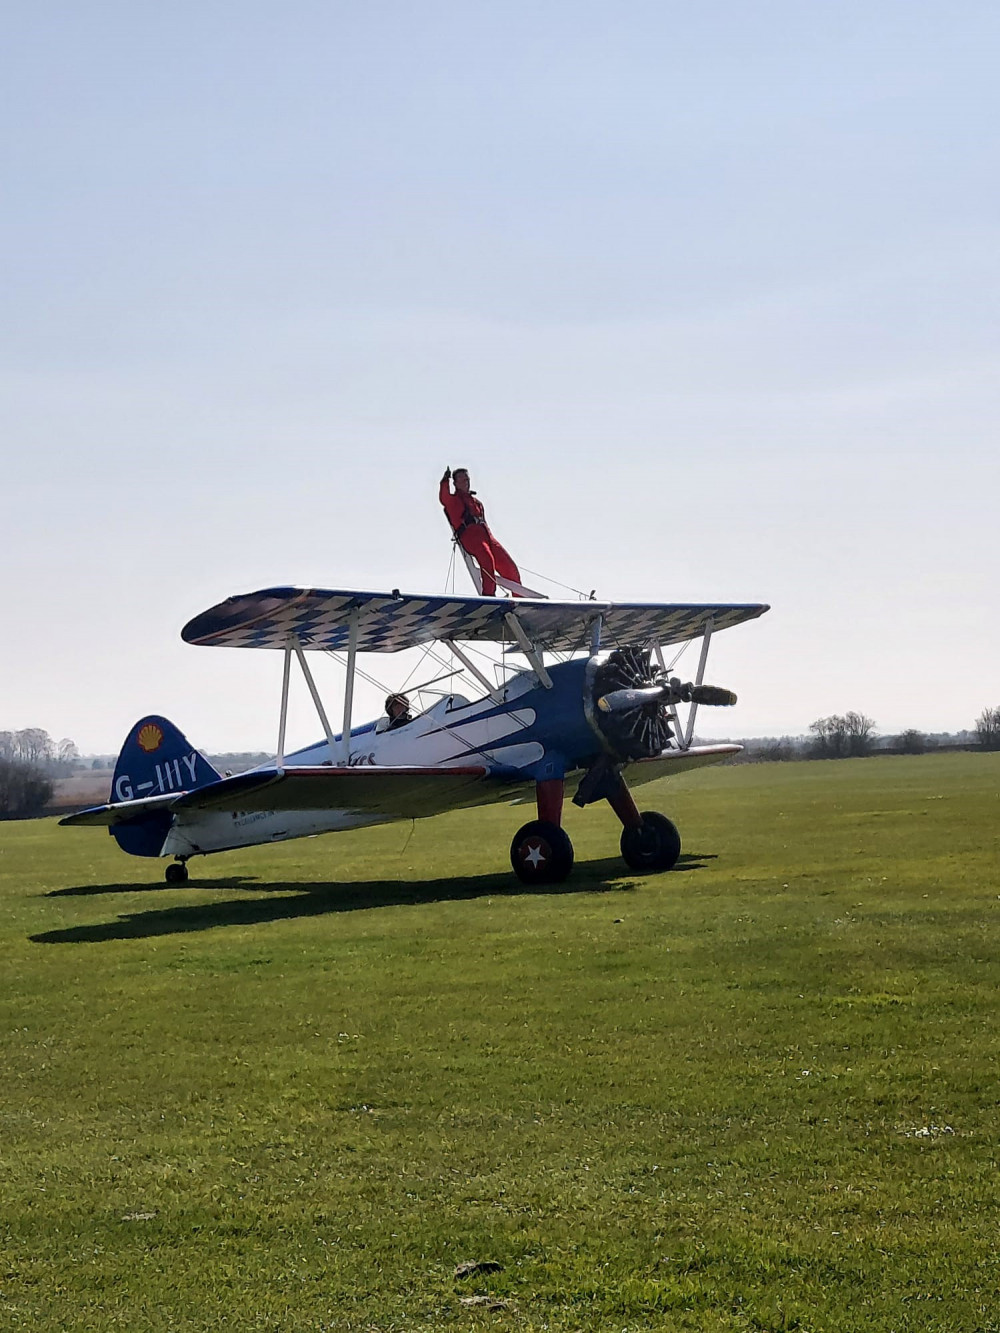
541	853
654	846
176	873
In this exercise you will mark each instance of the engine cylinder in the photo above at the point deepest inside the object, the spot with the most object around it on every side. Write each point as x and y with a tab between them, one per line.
627	733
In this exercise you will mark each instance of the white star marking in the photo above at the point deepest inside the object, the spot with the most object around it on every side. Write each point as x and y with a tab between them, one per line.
535	856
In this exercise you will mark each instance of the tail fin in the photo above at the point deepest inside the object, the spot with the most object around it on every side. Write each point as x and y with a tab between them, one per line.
155	760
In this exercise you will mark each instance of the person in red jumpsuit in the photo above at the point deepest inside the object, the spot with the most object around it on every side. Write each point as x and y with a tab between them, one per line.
468	519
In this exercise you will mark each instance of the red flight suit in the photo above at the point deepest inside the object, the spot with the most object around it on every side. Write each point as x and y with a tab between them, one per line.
468	518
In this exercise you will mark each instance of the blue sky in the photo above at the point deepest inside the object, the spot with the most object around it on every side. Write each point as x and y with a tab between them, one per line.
705	297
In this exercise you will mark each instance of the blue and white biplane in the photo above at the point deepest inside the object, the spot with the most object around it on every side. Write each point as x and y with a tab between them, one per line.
585	699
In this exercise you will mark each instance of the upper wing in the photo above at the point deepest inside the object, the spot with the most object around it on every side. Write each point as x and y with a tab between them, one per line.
678	761
389	622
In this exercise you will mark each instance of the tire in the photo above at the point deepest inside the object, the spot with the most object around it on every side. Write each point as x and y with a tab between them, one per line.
176	873
541	853
654	846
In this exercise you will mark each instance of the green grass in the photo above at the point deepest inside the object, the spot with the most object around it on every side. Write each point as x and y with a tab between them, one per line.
757	1093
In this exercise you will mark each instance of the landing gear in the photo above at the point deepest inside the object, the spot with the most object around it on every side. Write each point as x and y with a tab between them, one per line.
541	853
654	844
649	840
176	873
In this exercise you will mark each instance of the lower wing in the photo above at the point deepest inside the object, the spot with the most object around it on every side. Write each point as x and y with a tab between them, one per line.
393	793
678	761
389	793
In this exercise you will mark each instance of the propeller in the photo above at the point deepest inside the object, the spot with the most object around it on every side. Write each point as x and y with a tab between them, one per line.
630	702
664	692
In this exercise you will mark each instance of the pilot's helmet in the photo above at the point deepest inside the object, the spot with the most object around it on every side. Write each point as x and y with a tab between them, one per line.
395	699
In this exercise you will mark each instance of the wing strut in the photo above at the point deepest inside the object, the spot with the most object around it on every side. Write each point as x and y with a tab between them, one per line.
471	667
675	720
352	662
283	718
699	677
529	650
292	645
596	628
313	691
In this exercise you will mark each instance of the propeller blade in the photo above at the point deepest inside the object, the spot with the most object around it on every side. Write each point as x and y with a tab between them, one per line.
712	694
626	701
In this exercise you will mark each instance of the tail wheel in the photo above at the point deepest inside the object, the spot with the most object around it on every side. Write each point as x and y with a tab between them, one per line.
541	853
655	845
176	873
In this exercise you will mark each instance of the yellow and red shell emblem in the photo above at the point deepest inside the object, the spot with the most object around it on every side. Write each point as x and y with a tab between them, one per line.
150	737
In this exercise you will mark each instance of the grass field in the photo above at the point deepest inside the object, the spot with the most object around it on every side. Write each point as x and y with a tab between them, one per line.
759	1092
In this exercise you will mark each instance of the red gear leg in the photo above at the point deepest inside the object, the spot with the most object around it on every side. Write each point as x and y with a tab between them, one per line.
623	804
549	797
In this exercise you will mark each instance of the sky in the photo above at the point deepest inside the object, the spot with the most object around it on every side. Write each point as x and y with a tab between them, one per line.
705	297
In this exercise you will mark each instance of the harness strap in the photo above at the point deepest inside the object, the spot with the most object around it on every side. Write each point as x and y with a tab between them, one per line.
470	522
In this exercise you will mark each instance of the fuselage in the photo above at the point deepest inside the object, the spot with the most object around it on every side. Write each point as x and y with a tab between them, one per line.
527	734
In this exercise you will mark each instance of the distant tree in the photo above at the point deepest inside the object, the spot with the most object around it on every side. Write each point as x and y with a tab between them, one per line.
829	738
33	746
860	733
8	745
67	751
24	789
837	737
988	729
911	742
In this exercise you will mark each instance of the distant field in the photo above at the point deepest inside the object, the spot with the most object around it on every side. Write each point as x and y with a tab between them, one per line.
759	1092
88	787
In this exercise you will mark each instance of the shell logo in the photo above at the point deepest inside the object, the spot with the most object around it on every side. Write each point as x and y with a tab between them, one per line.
150	737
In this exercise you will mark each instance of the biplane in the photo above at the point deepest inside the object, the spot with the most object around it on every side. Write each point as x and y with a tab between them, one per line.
581	702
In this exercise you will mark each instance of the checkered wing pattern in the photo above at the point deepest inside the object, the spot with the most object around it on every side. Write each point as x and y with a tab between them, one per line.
389	622
633	623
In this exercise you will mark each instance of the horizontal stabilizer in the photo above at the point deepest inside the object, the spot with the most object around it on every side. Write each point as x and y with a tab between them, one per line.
106	816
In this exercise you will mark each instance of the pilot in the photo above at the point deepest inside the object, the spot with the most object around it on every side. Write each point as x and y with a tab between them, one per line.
468	520
397	713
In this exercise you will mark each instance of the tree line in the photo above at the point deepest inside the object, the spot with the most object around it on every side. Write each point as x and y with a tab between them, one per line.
853	735
30	762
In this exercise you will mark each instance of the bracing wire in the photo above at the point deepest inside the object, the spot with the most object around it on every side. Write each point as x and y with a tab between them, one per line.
449	578
585	596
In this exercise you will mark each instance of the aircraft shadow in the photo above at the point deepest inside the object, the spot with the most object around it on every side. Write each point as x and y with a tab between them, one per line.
317	899
93	890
